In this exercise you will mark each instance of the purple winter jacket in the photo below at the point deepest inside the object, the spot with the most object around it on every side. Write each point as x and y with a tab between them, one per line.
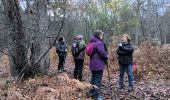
97	60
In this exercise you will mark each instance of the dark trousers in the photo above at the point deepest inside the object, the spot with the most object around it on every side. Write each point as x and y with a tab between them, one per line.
78	70
61	62
128	69
96	80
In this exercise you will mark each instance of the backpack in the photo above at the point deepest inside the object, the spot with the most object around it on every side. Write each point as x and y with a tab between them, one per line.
135	67
61	47
90	48
75	48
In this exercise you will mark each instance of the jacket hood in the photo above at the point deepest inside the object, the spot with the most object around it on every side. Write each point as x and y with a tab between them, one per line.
94	39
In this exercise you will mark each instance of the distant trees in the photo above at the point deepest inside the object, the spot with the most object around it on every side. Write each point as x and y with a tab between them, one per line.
143	19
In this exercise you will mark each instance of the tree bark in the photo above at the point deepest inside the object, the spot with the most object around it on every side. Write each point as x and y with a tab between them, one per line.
17	51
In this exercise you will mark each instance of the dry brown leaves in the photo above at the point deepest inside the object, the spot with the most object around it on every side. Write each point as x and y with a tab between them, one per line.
4	66
59	87
113	62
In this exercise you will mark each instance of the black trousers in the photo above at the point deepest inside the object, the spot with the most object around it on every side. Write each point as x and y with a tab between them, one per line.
96	80
78	70
61	62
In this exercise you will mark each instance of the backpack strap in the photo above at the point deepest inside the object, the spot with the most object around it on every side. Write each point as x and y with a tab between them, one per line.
82	49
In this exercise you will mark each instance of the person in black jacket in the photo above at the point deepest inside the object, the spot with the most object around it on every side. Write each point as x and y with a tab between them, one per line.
61	49
125	58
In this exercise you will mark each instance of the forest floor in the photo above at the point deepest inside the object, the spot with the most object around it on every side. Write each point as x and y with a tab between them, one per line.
62	86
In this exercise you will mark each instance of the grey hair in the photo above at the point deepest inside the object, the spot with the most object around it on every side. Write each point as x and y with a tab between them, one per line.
98	33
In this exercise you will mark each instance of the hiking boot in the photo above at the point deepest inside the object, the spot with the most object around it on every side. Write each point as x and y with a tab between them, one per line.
99	98
60	71
130	89
63	70
135	82
89	94
120	86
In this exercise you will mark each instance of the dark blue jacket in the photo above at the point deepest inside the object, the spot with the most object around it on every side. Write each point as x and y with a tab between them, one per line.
61	48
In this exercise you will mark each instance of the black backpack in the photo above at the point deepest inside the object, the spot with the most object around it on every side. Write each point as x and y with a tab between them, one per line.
75	49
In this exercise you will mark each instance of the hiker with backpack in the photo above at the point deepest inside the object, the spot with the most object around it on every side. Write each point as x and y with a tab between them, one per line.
78	52
125	58
97	51
61	49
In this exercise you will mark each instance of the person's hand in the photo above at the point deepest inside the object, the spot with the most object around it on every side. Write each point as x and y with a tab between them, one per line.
120	44
106	62
66	50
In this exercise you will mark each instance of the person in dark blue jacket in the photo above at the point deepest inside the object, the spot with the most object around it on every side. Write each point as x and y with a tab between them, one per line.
125	58
61	49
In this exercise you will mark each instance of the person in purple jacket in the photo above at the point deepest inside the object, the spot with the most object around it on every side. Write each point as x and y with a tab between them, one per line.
97	63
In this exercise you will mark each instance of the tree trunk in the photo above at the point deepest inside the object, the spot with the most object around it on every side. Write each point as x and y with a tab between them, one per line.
17	51
41	43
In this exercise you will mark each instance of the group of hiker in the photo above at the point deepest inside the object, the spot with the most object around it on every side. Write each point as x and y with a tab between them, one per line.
96	49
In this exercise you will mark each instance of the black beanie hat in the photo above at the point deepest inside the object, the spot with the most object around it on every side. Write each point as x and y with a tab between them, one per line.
61	39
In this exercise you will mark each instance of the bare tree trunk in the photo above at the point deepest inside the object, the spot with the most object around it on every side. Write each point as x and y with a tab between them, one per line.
17	51
41	44
165	38
138	26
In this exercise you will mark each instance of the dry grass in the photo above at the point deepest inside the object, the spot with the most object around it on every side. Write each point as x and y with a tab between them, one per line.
113	62
150	59
59	87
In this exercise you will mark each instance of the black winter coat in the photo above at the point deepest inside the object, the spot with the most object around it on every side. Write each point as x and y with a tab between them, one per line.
125	53
60	48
